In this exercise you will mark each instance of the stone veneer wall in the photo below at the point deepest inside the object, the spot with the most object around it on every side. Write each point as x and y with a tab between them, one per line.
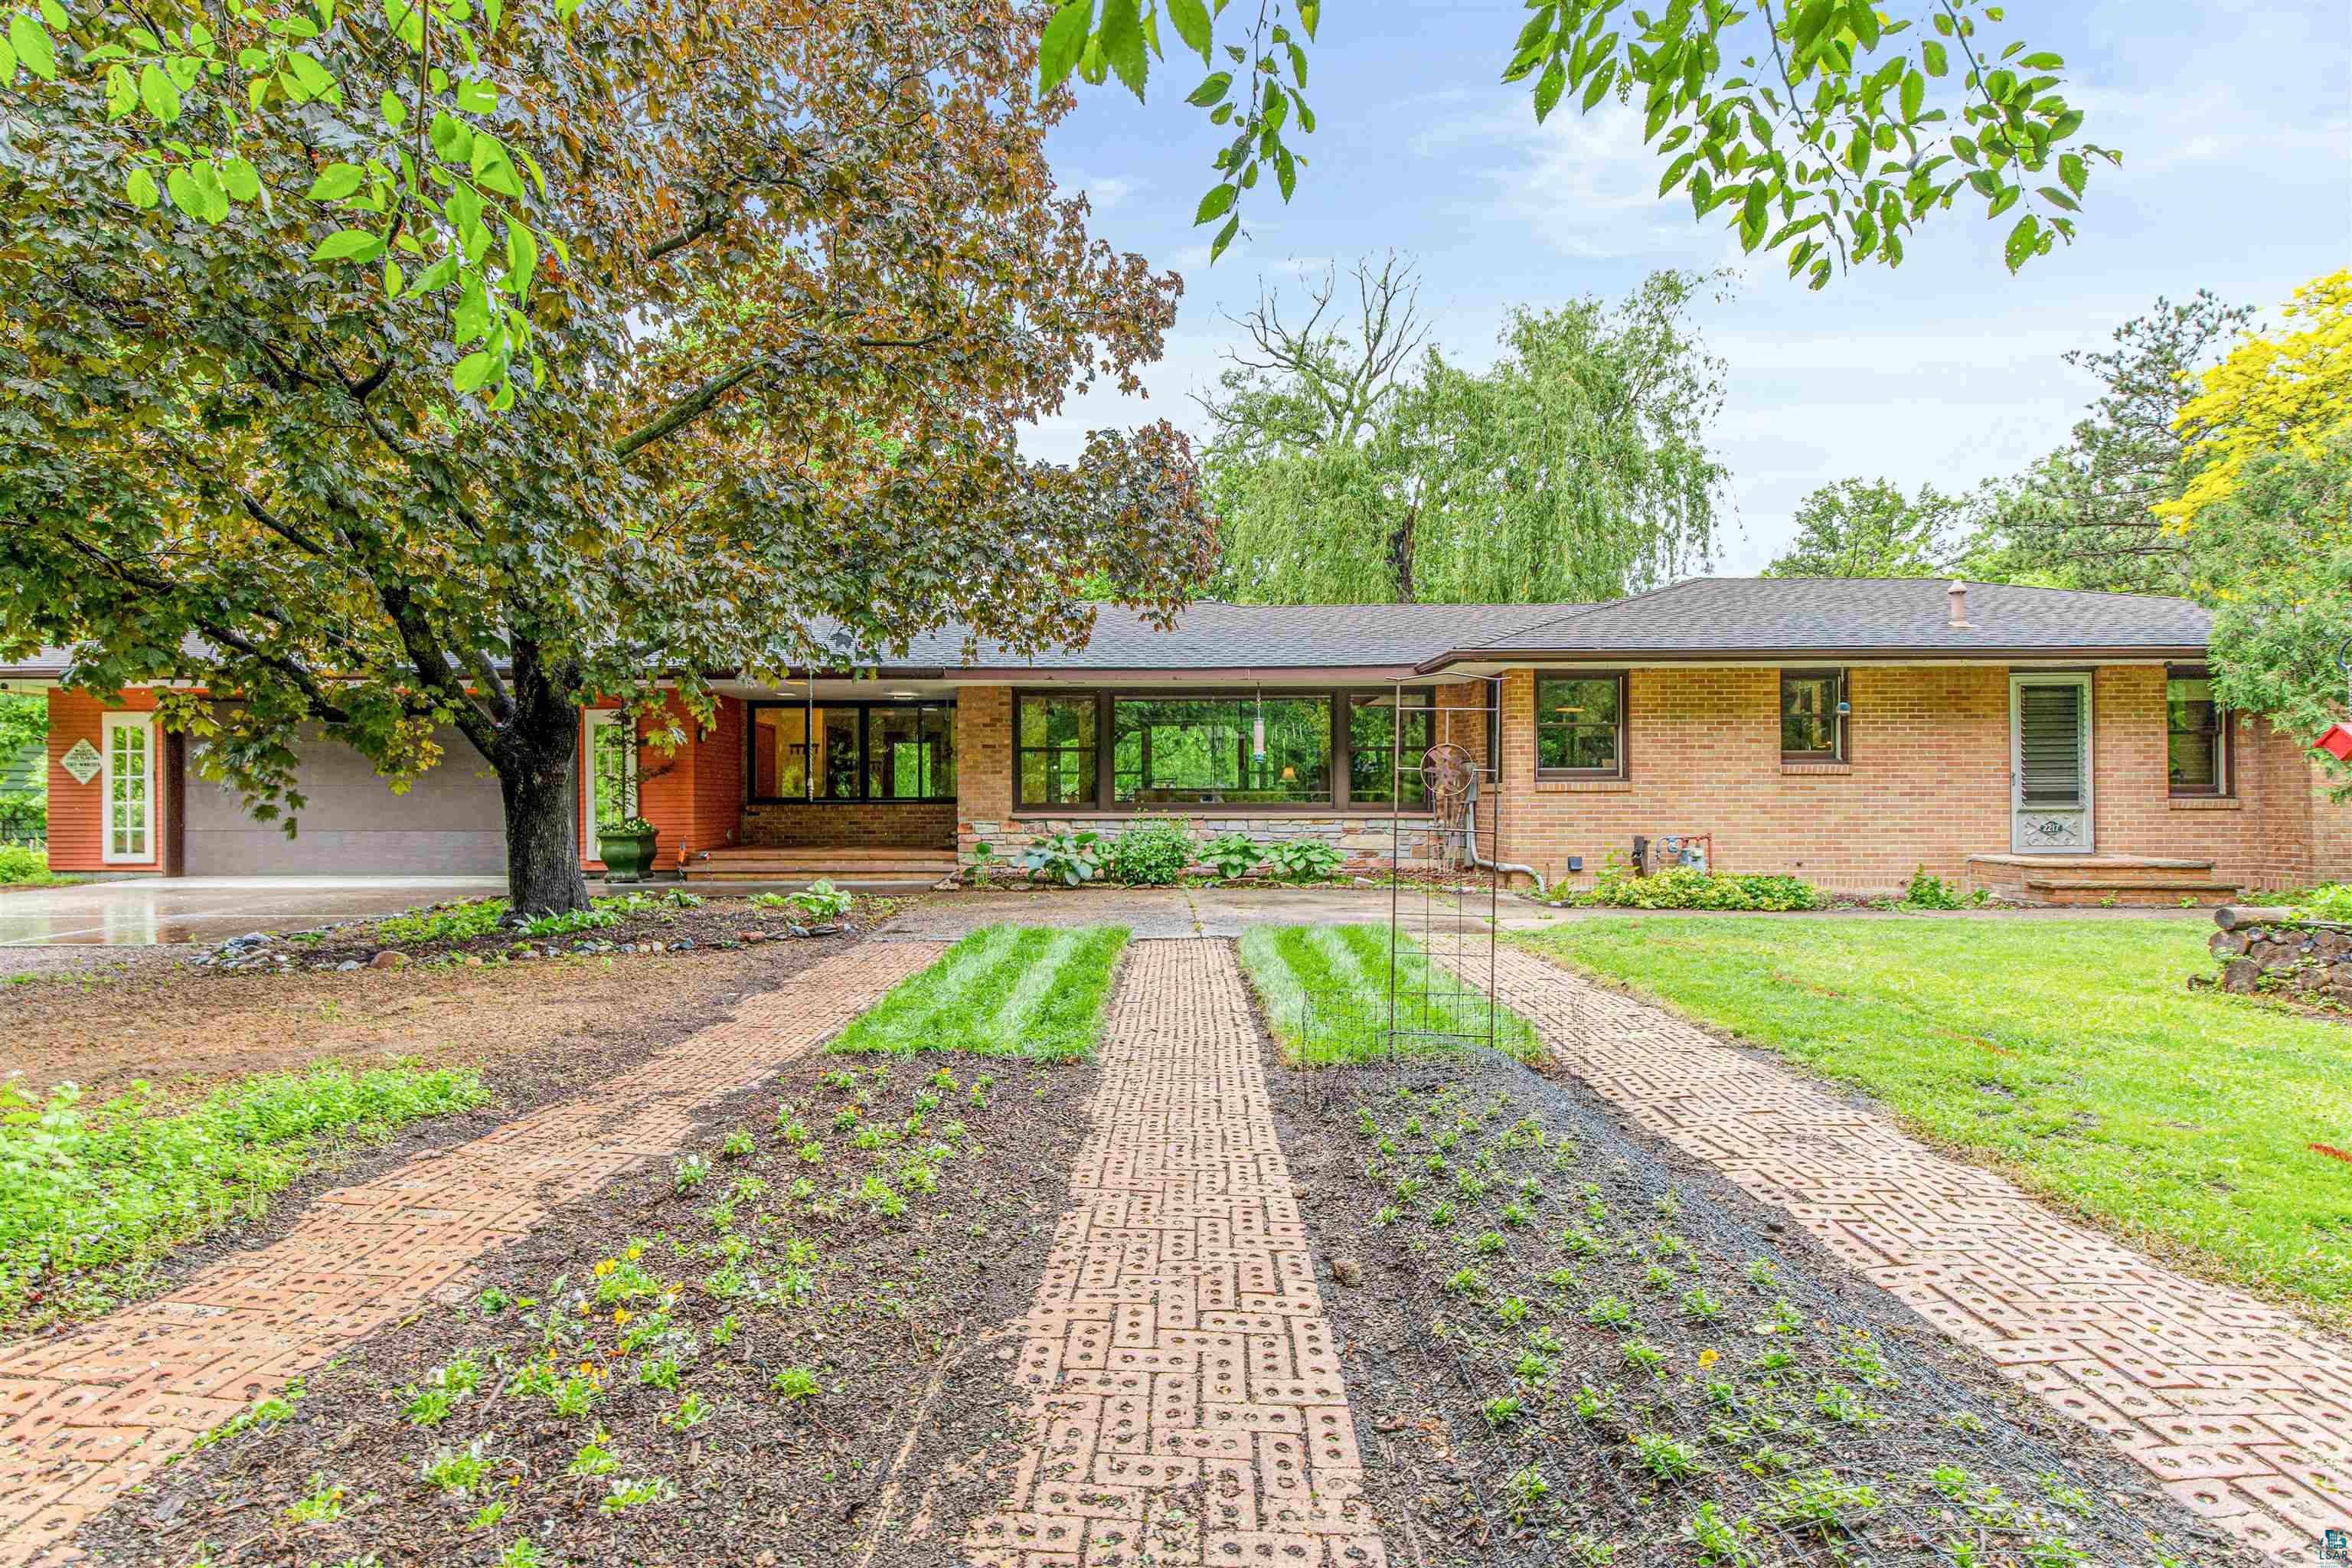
2312	963
1362	840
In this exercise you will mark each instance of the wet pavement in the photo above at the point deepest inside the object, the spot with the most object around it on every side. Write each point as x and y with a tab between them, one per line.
153	910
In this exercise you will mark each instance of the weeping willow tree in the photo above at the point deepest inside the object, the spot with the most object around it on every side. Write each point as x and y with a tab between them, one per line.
1347	469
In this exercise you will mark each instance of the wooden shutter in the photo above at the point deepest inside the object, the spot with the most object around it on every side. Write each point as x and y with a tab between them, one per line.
2050	745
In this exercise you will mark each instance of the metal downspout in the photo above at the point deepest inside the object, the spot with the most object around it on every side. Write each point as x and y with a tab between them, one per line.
1470	840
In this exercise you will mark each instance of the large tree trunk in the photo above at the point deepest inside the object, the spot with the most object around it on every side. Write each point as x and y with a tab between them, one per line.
1401	543
542	841
538	746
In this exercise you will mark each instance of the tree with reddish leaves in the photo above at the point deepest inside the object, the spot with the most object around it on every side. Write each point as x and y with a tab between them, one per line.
457	364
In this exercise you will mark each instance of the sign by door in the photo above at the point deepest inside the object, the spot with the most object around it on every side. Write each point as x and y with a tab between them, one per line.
82	761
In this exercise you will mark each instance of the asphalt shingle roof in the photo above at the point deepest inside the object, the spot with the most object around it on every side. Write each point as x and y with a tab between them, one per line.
1706	618
1731	617
1212	634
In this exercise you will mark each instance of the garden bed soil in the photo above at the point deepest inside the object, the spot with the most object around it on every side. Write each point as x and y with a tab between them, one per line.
908	1327
552	1031
1951	1454
668	919
186	1030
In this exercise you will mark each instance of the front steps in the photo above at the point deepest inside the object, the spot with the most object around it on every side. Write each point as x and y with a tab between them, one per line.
2101	881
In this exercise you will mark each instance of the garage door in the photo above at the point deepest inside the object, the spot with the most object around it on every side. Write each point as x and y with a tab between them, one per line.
450	824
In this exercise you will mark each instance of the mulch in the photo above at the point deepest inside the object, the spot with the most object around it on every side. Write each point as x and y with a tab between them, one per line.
908	1325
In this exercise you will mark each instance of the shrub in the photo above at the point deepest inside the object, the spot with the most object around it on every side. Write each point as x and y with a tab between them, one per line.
1684	887
2331	901
1233	855
1151	853
821	900
20	865
1927	891
86	1188
1304	860
1069	858
24	816
456	922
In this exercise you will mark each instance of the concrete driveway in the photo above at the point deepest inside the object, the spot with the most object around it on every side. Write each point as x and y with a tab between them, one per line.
153	910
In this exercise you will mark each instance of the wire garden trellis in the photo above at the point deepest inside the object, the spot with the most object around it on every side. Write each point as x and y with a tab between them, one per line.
1436	989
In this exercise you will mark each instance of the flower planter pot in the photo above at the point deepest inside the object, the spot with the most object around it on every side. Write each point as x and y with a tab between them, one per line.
627	857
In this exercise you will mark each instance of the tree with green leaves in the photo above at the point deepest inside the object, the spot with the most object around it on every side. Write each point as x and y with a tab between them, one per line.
478	360
1345	469
2274	559
1821	130
2087	516
1869	528
23	765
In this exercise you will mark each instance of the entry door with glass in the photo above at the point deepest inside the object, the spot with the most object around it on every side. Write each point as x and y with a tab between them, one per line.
2049	764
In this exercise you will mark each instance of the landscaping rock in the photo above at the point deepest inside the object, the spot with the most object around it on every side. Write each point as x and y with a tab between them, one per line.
347	965
825	930
753	937
389	958
1347	1271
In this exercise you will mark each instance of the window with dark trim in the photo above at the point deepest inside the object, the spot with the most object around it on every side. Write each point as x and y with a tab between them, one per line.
1143	751
840	752
2197	735
1812	716
1373	721
1580	726
1056	741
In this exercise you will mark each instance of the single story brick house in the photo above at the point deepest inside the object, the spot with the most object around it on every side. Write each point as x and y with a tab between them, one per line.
2055	746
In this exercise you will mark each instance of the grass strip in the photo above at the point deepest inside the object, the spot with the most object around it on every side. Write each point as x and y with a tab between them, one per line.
2068	1054
1006	991
1326	994
91	1195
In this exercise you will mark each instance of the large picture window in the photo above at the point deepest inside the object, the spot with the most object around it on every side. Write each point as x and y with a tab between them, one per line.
1207	751
1813	727
1580	726
2196	736
1150	750
851	750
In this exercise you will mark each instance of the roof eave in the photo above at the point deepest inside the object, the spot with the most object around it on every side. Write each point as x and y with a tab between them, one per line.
2149	653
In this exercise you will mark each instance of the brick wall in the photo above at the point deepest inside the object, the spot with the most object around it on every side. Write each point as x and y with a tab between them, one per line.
77	811
693	795
878	825
1926	783
983	767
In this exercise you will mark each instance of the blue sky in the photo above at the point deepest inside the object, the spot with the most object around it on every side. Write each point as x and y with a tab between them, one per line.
2235	123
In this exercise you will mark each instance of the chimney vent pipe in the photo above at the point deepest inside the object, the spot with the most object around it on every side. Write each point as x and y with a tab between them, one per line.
1959	592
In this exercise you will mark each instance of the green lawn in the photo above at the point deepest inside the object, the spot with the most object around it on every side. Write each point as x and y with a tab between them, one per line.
1325	989
2068	1053
1010	991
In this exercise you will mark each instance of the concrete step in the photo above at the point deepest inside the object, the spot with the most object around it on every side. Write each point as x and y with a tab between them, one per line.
2079	892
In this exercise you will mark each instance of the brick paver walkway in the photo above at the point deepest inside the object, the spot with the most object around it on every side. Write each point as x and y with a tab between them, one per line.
84	1416
2240	1410
1185	1387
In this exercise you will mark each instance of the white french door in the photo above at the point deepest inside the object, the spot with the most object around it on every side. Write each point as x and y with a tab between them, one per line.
2049	764
128	780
